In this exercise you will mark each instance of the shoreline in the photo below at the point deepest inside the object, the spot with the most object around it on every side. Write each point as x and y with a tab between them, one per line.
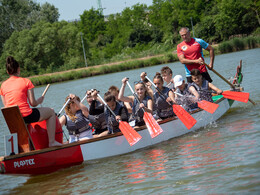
102	69
112	67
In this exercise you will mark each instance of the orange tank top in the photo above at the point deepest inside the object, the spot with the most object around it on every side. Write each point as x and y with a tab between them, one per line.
15	91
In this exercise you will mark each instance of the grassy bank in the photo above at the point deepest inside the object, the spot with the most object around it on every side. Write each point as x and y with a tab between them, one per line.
102	69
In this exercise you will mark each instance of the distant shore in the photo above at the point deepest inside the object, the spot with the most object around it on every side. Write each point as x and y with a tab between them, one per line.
225	47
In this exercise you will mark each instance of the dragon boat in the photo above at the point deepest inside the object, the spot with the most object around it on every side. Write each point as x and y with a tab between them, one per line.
34	157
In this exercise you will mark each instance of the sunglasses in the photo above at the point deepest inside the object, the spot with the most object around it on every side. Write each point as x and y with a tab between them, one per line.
138	82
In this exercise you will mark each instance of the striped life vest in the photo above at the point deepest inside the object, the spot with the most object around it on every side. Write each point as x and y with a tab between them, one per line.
78	126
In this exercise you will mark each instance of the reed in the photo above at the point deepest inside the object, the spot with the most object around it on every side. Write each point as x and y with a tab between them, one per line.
238	44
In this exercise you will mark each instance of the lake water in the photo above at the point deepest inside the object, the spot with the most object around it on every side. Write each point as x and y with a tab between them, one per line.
223	158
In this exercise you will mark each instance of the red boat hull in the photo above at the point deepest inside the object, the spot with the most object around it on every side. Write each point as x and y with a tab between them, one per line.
43	163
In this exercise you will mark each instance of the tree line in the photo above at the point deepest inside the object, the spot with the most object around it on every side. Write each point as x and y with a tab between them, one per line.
33	35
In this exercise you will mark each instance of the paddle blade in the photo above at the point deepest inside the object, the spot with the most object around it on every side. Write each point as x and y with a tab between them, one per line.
130	134
184	116
208	106
235	95
153	127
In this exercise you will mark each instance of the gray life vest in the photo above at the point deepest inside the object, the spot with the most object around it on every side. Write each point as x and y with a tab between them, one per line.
80	125
204	92
162	108
98	122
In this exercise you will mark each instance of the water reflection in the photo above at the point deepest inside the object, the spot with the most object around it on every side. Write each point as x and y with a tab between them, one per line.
151	166
199	153
241	125
62	182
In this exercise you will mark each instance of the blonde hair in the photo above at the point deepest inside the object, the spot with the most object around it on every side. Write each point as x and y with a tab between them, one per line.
68	108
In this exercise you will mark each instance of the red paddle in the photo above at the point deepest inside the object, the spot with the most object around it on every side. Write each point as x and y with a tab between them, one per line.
152	125
228	95
205	105
130	134
208	106
182	114
235	95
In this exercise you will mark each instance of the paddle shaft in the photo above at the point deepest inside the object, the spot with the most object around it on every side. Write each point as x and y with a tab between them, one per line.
46	89
84	98
168	85
63	107
224	79
60	113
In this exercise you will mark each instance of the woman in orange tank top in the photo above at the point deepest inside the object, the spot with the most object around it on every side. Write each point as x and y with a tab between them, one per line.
19	91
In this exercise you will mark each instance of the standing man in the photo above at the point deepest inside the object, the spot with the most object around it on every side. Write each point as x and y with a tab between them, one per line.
190	54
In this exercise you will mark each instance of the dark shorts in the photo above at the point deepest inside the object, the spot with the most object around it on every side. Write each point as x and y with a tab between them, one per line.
205	75
33	117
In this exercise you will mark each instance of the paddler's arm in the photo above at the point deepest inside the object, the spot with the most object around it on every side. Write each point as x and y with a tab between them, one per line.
183	60
83	108
122	91
62	120
3	100
195	93
33	102
211	55
149	107
213	87
171	96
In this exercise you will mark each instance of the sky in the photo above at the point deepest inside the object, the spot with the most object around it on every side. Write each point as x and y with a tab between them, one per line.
72	9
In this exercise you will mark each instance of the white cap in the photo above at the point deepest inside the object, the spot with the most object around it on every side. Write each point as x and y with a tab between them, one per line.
178	80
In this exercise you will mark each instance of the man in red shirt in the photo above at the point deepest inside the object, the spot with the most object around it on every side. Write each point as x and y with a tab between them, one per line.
190	54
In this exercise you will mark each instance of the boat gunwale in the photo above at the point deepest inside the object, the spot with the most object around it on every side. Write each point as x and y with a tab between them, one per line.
45	150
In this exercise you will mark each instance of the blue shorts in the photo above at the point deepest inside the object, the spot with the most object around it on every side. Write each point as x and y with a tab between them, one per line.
33	117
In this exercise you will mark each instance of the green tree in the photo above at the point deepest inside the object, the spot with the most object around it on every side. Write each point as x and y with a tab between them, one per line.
45	48
16	15
92	24
228	20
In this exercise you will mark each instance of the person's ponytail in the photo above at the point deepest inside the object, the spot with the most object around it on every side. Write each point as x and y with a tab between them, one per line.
11	65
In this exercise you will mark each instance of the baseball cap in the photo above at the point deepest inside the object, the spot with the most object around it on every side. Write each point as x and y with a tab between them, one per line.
178	80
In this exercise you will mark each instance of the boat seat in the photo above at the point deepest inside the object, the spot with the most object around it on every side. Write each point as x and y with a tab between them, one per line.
16	124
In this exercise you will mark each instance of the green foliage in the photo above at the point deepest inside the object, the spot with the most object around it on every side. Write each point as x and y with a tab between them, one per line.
17	15
92	24
30	32
237	44
45	48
